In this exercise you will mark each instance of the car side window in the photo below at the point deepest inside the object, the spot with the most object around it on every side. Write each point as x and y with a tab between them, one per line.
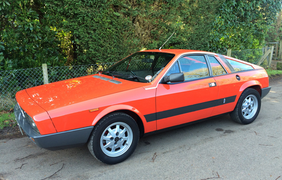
216	67
194	67
237	66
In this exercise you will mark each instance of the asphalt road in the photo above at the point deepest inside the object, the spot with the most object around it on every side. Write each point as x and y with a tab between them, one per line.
214	149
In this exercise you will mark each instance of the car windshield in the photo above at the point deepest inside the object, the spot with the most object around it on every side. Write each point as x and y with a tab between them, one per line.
139	65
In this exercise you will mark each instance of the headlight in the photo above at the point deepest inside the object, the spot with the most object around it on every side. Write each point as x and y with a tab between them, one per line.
22	116
31	122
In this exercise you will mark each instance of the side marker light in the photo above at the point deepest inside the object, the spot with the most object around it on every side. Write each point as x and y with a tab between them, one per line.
93	110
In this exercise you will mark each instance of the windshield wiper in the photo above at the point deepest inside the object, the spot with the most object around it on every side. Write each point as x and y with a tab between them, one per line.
134	76
112	73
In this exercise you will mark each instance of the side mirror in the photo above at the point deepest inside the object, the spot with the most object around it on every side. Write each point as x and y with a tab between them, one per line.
175	77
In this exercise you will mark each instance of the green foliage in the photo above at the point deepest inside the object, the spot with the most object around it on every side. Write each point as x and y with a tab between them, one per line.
68	32
26	39
103	31
249	55
272	72
95	30
275	30
243	24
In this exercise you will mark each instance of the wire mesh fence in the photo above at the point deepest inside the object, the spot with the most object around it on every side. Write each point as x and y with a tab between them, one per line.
12	81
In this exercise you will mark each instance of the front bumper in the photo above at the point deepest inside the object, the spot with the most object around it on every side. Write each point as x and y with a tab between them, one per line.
54	141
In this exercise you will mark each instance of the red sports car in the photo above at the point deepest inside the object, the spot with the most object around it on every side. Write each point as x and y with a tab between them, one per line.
146	92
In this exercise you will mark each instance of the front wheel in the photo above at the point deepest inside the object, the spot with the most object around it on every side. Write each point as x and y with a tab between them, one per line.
247	108
114	138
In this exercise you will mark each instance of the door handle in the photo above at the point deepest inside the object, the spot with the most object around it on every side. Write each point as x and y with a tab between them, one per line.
213	84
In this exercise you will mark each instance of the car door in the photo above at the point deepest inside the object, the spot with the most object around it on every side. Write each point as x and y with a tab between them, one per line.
229	84
193	99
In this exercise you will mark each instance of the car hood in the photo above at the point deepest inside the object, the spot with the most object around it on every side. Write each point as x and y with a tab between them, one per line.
64	93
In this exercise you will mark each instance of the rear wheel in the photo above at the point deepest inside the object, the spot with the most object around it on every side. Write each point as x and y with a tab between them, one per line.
247	108
114	138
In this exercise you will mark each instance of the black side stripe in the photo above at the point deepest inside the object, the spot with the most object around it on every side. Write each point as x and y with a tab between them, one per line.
188	109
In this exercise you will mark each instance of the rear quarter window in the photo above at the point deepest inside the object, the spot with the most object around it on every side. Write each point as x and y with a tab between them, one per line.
237	66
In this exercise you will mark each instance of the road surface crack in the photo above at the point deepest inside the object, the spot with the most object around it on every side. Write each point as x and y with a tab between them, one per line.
54	173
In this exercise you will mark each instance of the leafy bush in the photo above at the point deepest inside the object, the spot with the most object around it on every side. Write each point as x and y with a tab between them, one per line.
75	32
26	38
107	31
249	55
243	24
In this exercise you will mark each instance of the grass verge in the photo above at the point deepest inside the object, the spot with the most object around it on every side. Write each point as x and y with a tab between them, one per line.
272	72
7	119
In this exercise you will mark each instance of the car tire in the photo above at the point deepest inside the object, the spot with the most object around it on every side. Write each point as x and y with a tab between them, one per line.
247	108
114	138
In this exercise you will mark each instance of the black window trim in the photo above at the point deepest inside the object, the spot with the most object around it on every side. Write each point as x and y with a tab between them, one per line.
227	63
177	61
209	64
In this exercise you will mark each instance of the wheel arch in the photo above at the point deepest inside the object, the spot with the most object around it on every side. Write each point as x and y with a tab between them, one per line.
251	84
136	118
133	112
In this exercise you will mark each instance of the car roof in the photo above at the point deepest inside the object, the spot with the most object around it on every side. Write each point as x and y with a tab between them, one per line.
177	51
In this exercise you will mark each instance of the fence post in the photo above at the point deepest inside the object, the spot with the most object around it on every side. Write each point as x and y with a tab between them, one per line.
271	56
229	52
45	74
267	53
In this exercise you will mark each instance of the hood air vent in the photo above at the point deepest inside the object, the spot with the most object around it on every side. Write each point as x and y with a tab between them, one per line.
107	79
